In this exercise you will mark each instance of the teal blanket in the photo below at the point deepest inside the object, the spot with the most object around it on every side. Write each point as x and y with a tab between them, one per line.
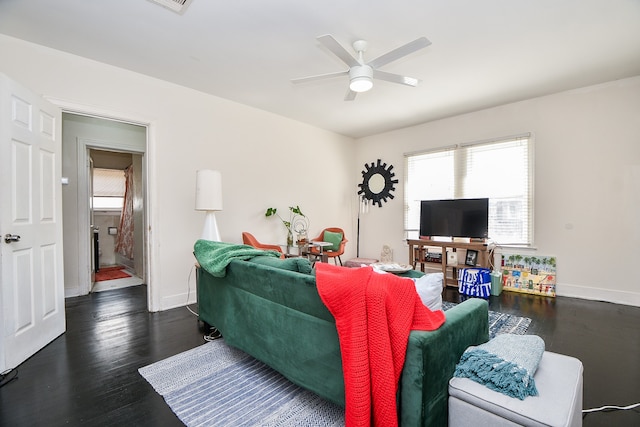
505	364
215	256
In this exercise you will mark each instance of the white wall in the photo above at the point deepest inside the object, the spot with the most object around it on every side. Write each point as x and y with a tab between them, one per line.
587	182
265	160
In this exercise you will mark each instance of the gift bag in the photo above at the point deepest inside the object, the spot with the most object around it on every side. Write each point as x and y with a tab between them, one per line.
474	282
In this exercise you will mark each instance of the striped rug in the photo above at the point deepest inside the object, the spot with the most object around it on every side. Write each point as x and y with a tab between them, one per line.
217	385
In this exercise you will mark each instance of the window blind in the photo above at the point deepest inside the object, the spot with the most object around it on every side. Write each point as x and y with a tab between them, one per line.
108	182
108	189
500	169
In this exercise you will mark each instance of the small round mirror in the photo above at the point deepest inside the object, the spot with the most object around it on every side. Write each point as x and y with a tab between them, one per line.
376	183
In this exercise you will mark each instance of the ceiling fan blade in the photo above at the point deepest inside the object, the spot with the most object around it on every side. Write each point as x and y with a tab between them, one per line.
399	52
350	96
332	44
395	78
319	77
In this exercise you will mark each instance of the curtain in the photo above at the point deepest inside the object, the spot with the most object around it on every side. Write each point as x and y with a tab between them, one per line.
124	241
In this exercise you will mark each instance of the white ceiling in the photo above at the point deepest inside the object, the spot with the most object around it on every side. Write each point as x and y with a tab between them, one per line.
484	52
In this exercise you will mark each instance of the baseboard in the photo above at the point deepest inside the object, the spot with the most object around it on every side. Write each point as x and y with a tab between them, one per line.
179	300
72	292
598	294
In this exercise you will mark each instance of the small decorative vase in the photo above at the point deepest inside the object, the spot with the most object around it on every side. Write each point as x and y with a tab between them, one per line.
289	238
302	238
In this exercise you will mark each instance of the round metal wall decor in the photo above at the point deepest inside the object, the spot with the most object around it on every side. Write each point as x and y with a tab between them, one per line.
377	182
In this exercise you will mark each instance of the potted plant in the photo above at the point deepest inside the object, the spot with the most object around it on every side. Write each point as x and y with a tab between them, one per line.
298	222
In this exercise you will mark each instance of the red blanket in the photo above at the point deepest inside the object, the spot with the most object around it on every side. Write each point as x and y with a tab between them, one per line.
374	314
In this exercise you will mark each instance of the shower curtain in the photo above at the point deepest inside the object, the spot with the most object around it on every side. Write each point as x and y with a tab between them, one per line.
124	240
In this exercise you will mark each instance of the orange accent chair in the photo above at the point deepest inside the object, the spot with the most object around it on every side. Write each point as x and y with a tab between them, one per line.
330	253
249	239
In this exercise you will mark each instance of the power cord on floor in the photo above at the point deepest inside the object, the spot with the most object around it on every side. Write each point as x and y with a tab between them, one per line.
604	408
193	267
213	335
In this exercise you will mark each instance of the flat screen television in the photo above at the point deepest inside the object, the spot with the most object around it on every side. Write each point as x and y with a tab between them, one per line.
455	218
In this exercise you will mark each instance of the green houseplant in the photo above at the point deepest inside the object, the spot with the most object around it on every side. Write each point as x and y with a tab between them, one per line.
297	222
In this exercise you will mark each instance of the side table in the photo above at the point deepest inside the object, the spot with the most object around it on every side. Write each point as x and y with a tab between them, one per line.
359	262
320	254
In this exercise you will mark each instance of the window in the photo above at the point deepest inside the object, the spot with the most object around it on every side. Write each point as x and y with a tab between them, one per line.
108	189
501	170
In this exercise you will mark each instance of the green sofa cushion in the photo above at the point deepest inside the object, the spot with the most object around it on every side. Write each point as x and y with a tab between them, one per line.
301	265
334	238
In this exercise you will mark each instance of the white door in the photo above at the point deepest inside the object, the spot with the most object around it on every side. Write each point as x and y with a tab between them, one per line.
31	281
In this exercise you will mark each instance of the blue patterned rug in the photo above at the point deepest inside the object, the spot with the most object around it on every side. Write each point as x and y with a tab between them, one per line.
215	385
501	323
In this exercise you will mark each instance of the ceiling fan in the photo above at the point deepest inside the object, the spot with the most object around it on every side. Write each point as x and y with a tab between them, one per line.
361	74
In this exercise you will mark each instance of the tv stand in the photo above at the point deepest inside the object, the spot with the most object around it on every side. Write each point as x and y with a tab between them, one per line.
418	249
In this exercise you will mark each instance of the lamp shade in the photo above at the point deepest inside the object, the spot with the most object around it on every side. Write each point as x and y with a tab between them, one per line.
208	190
361	84
361	78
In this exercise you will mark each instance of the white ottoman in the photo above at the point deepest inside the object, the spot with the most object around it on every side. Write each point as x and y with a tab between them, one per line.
559	403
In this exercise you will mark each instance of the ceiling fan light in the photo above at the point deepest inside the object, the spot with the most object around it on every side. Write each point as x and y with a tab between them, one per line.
361	84
360	78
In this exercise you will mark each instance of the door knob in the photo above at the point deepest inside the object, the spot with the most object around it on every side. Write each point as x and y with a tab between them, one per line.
8	238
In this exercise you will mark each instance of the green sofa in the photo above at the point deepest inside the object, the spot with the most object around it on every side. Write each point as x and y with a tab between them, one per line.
272	311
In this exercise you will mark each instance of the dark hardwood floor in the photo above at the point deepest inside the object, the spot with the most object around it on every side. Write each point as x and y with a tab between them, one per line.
89	375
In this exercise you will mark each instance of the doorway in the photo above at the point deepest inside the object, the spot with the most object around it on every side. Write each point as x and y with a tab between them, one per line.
90	233
116	213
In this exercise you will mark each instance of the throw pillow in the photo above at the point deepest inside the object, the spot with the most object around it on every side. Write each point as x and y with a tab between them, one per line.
429	288
301	265
334	238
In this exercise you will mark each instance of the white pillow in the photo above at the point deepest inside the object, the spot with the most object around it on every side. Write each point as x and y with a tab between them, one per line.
429	288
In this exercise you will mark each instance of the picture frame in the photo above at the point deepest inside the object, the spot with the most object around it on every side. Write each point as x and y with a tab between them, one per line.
471	258
529	274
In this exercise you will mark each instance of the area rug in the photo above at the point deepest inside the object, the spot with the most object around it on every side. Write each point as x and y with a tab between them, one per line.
111	273
217	385
501	323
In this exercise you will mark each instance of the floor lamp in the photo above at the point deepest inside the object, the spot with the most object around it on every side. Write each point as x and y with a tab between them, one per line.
209	199
363	208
